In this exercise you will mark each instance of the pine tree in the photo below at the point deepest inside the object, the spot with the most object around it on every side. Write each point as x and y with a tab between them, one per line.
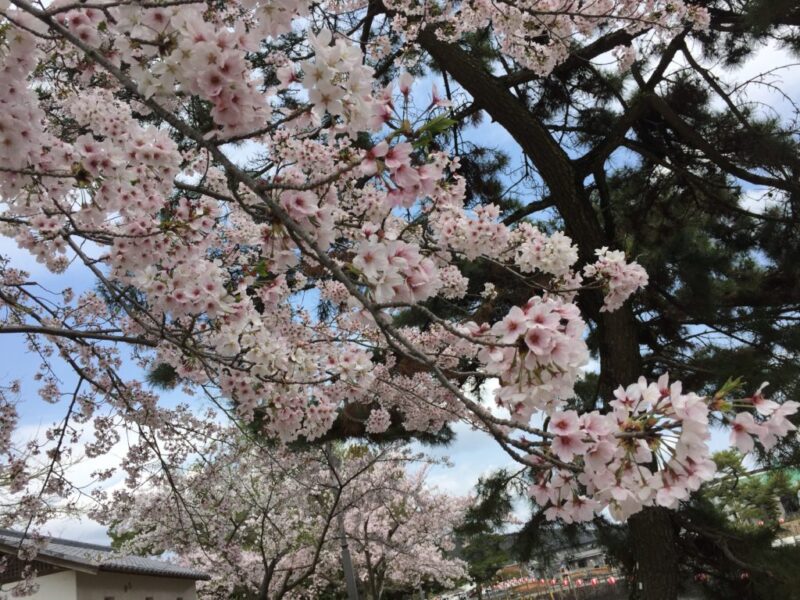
682	172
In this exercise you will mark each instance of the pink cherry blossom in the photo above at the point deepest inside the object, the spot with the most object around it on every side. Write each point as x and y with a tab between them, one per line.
564	423
565	447
743	428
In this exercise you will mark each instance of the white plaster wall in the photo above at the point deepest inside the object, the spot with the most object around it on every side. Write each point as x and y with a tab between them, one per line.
133	587
55	586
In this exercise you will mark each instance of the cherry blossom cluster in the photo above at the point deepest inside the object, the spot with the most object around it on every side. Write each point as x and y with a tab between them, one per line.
470	235
650	450
554	254
619	277
482	234
174	50
337	82
20	118
396	272
538	355
768	424
379	421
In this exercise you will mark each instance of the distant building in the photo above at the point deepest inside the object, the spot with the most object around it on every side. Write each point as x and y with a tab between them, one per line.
563	554
70	570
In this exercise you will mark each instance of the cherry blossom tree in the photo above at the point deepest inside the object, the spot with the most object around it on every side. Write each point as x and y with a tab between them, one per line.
259	213
260	520
401	532
263	520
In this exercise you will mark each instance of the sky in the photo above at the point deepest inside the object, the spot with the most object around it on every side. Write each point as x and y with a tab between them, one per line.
473	453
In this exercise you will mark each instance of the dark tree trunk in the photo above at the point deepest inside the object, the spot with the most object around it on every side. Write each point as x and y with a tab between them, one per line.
652	535
653	539
269	571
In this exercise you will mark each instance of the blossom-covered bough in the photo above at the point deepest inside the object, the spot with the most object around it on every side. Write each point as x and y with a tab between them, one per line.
259	214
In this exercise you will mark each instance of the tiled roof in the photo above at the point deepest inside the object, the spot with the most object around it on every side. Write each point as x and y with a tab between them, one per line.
95	558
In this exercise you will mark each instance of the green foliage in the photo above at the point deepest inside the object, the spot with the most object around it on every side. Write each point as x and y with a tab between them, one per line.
162	376
727	531
484	171
749	501
485	553
493	504
435	127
